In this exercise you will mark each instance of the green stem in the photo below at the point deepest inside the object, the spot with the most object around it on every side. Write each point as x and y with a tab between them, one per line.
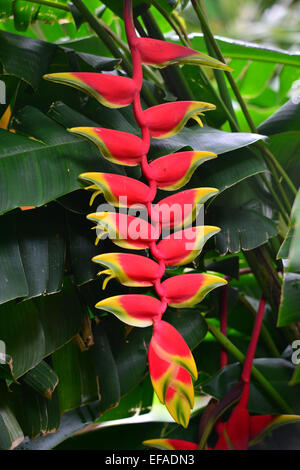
180	26
266	275
258	376
280	206
279	168
267	338
169	19
47	3
222	85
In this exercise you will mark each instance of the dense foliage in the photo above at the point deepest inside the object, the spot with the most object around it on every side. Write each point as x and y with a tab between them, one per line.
67	366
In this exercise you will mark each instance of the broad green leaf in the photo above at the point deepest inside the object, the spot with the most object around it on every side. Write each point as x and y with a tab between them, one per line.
284	120
242	229
88	45
32	253
289	77
23	13
229	169
82	248
237	49
37	415
13	282
92	115
98	63
228	266
259	114
11	434
26	58
77	379
35	172
285	247
71	422
105	369
137	402
267	99
285	147
255	78
5	8
132	435
29	59
290	297
42	378
277	371
207	138
33	329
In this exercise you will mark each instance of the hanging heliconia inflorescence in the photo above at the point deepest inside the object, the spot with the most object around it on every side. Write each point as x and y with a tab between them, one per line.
172	366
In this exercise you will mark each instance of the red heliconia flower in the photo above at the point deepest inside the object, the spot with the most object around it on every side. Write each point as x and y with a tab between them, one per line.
133	309
187	290
166	120
235	433
110	90
118	190
242	430
161	53
116	146
182	247
239	433
175	170
130	270
181	208
171	444
170	364
125	230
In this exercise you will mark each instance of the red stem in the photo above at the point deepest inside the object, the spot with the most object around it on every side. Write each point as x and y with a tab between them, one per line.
140	119
223	324
246	373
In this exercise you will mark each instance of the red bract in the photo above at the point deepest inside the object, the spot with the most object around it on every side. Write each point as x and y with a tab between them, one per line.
110	90
174	171
161	53
166	120
130	270
170	365
170	444
181	208
116	146
125	230
120	191
184	246
187	290
135	310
